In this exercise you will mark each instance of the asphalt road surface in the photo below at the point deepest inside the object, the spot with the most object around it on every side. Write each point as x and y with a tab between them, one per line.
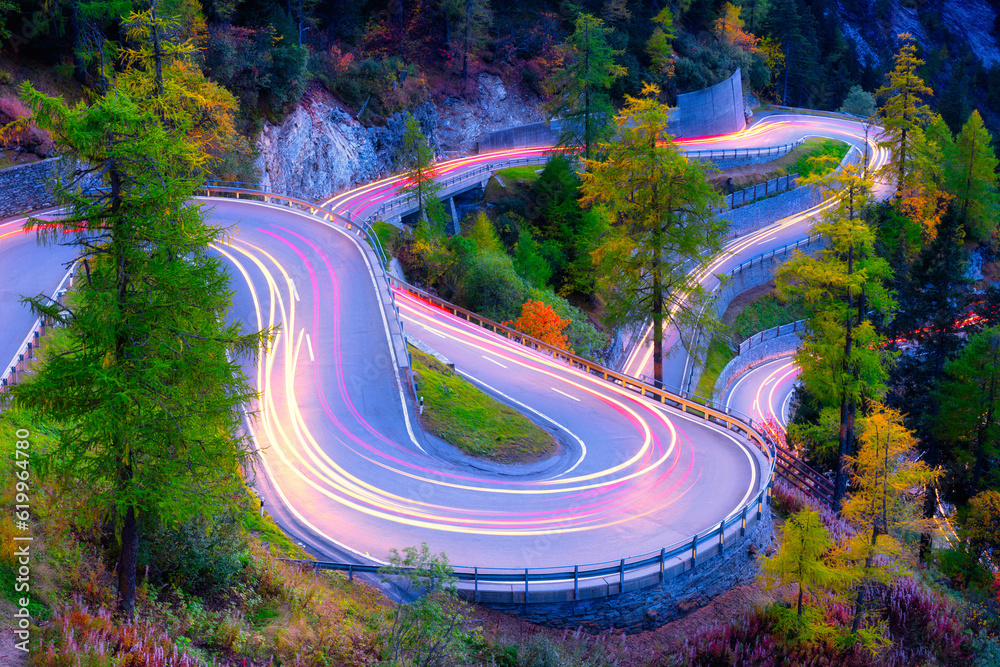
345	464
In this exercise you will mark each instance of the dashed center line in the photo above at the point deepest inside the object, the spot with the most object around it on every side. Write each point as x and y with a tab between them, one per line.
494	361
309	345
565	394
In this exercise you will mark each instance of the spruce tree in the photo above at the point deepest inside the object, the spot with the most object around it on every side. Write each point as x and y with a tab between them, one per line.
969	394
580	89
974	179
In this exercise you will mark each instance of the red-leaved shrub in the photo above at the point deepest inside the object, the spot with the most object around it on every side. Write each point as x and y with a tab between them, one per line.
29	138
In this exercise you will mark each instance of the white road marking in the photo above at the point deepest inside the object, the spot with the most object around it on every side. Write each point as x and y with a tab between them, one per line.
310	346
494	361
583	447
295	292
565	394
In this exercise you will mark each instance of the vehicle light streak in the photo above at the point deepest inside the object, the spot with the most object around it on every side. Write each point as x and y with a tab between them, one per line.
646	482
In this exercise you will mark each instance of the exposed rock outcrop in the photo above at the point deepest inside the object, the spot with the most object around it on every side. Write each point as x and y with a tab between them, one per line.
320	150
462	121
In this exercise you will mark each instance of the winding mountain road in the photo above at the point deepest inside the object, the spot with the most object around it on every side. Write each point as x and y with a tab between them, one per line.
348	469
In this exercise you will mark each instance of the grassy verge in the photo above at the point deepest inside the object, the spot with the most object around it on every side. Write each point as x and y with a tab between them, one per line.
796	161
516	180
764	313
805	166
464	416
526	174
718	356
386	234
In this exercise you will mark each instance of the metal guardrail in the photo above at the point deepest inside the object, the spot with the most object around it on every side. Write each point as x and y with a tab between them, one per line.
762	190
770	334
21	360
784	250
475	174
735	153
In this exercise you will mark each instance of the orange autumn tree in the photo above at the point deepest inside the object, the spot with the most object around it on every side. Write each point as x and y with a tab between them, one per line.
540	321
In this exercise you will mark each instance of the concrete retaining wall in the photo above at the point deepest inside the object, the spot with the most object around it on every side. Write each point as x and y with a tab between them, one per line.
658	603
759	271
535	134
710	111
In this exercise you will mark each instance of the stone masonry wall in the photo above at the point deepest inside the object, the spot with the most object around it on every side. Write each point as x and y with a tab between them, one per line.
769	349
762	213
653	606
24	188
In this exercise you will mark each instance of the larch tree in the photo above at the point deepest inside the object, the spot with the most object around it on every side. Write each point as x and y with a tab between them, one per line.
658	46
969	394
420	182
149	401
148	392
665	228
974	179
799	561
903	117
580	89
888	480
841	285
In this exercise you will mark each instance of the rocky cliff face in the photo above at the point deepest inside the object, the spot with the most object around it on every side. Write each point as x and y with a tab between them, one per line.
320	150
461	121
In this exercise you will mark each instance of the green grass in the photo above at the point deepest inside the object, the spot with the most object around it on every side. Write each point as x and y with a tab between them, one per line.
464	416
264	528
764	313
718	356
829	151
524	174
515	181
386	234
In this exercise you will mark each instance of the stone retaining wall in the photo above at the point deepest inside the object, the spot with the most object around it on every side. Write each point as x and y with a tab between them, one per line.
25	187
28	187
660	603
756	355
762	213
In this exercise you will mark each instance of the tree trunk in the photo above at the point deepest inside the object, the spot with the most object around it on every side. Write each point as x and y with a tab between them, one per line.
76	38
987	423
157	49
847	407
859	600
127	561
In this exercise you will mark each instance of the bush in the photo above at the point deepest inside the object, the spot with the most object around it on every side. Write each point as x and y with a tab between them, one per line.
492	287
28	137
199	559
264	72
